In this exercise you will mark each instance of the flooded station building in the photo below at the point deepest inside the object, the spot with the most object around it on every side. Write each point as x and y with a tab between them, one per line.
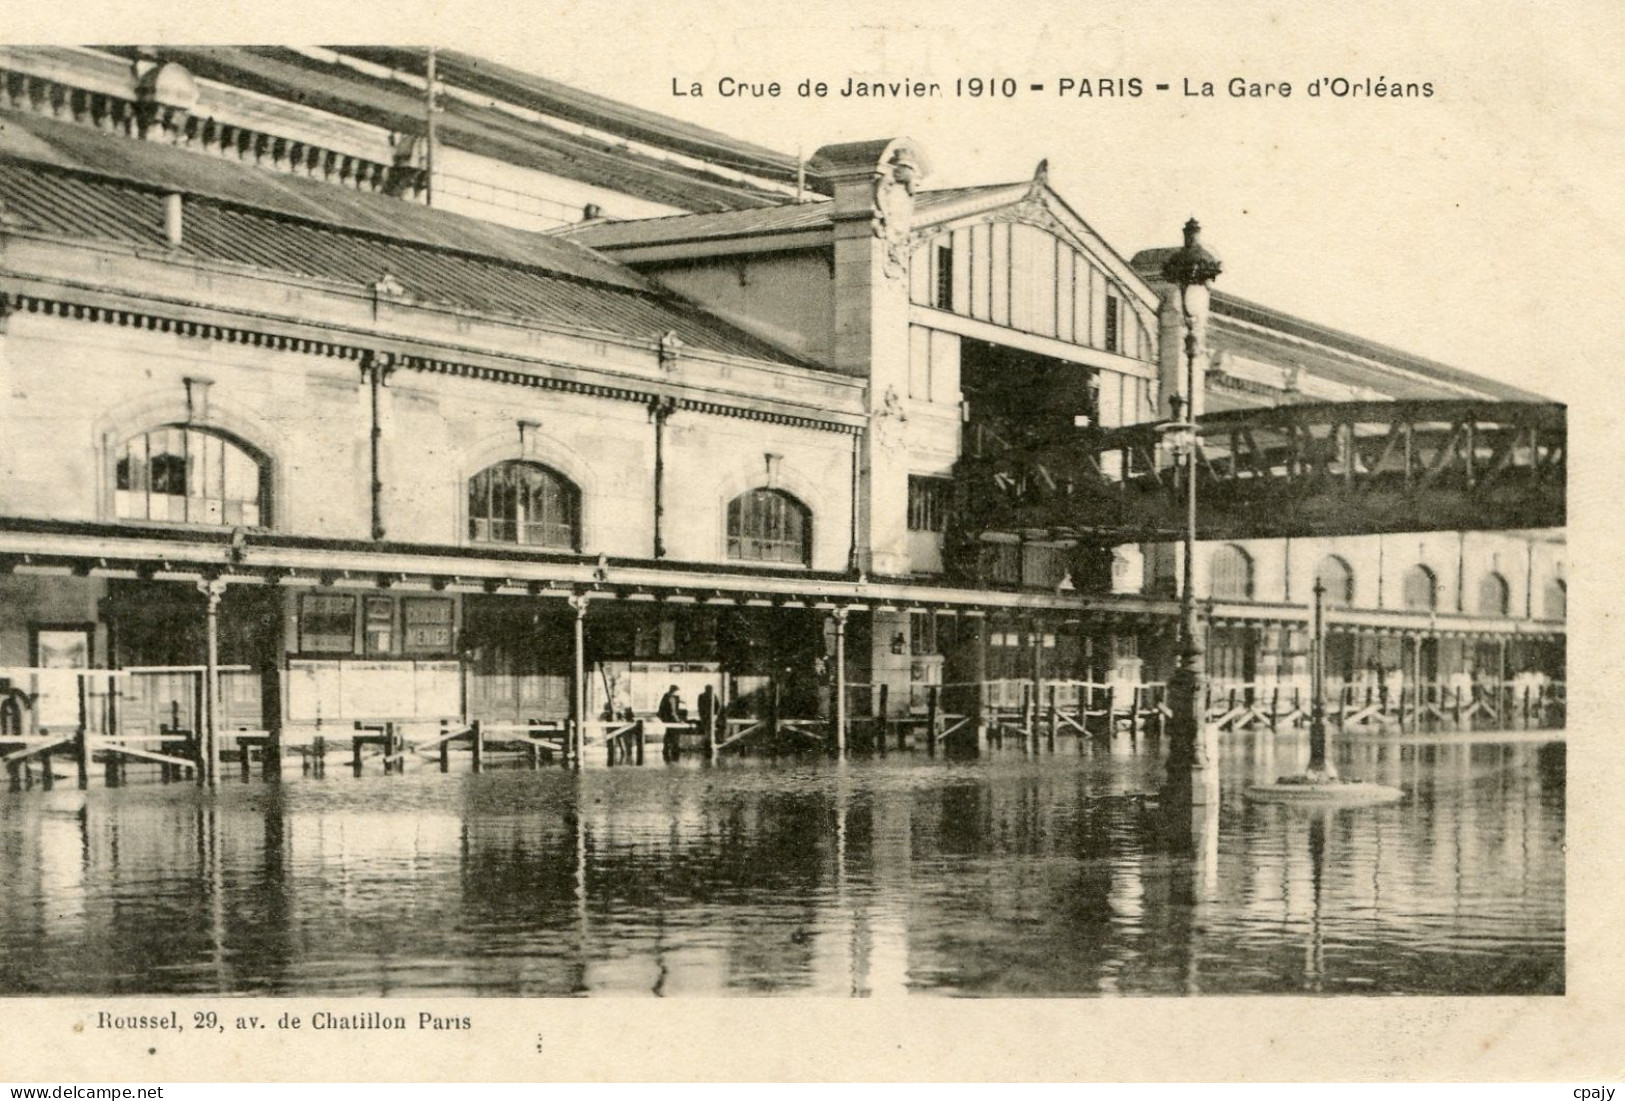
575	403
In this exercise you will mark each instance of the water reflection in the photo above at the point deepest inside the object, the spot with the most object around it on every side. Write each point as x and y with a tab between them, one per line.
1008	875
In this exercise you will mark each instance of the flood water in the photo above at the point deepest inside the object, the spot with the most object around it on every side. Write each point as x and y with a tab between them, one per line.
1005	875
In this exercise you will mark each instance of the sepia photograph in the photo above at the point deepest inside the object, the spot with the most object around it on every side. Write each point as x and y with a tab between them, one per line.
842	503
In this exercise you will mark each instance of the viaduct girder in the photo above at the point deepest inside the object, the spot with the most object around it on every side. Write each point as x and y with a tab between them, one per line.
1332	468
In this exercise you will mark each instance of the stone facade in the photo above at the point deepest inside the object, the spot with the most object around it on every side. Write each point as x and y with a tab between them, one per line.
902	316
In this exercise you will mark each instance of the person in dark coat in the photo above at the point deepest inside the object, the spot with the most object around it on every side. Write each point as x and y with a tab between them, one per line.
671	707
707	705
670	713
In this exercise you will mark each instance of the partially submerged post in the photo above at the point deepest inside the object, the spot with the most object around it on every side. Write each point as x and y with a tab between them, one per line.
212	589
1320	763
578	681
839	616
1320	782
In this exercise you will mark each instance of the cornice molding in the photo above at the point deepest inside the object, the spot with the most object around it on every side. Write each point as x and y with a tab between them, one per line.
154	321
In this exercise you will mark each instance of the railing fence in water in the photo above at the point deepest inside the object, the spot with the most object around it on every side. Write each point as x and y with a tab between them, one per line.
155	715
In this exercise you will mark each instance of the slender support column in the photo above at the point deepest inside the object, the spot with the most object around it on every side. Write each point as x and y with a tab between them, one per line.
979	675
1035	630
854	559
660	410
1507	699
212	589
578	681
81	755
839	616
377	366
1320	762
1187	750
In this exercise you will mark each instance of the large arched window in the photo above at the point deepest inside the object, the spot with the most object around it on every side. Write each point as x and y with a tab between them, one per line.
1232	574
524	502
1420	590
191	475
1494	595
1556	599
1336	577
768	525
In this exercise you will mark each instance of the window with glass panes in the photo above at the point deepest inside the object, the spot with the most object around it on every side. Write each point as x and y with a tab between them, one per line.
1026	278
186	474
1419	591
1336	578
922	633
523	502
1555	600
1494	595
1231	574
944	289
326	624
768	525
928	503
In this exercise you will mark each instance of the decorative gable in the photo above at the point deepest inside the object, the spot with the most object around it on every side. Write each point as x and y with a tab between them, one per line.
1032	266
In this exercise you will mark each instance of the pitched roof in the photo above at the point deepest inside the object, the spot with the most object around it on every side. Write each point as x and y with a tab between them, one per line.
67	180
488	131
1149	263
549	97
792	218
1230	306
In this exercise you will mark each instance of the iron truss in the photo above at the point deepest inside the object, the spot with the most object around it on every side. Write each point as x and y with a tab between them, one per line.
1332	468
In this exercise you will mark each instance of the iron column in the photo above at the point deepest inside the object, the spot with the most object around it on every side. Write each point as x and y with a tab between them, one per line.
1320	765
1189	770
839	616
213	589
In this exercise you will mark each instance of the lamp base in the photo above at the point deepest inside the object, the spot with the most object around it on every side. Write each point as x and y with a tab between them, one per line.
1322	788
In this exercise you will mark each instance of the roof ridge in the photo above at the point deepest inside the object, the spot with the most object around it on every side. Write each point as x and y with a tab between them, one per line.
976	187
566	230
569	232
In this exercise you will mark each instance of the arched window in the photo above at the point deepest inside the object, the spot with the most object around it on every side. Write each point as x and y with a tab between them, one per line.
191	475
1232	574
1420	590
1556	599
1336	576
524	502
1494	595
767	525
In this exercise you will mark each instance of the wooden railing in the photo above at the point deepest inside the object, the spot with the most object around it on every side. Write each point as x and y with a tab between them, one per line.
1481	705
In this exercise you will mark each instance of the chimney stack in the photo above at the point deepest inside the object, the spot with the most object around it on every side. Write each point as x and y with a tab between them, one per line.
174	219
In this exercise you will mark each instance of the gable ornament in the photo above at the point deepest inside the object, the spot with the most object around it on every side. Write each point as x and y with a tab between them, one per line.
895	181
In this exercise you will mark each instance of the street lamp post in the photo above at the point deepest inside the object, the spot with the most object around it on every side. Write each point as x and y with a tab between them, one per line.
1190	773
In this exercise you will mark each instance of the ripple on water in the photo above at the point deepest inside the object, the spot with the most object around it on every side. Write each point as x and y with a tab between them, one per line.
1008	875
